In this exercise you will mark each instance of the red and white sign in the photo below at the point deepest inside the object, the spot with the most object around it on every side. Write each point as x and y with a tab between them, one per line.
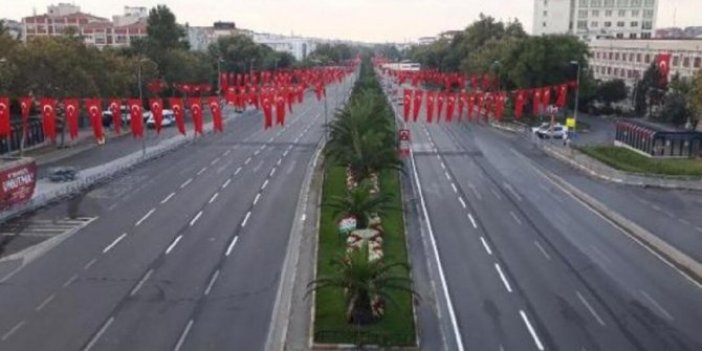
404	144
17	184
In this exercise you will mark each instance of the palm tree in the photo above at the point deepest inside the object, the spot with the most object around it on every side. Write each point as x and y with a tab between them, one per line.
360	203
362	280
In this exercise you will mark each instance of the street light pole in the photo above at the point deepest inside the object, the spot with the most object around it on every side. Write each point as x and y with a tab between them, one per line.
577	91
219	76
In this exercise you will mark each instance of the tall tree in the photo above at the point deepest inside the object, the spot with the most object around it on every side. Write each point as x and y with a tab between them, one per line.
163	31
649	91
611	91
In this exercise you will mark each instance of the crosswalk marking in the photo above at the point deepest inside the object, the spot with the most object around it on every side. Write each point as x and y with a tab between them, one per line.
43	227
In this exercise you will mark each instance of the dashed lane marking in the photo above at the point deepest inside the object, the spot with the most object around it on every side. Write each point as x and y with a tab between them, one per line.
173	244
151	211
115	242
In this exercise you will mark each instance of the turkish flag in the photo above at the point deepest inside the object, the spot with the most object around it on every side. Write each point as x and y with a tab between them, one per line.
94	108
72	111
519	100
462	102
407	104
5	127
471	106
480	98
115	109
196	113
418	97
663	62
157	111
223	83
290	98
536	108
136	118
280	109
267	103
48	113
25	106
500	100
450	106
213	103
177	107
440	98
230	96
431	96
546	97
562	95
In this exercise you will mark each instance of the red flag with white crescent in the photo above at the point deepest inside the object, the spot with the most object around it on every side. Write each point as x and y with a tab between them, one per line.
519	100
94	108
48	113
213	103
25	106
280	109
196	113
663	62
157	111
72	110
417	105
536	106
440	98
462	102
431	96
115	109
136	118
5	126
407	104
562	95
450	106
267	103
546	97
178	111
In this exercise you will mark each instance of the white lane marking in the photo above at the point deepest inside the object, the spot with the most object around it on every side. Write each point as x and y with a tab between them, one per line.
237	171
45	302
226	184
537	341
280	160
257	152
213	198
173	244
265	184
70	280
486	246
247	161
463	203
246	219
475	191
443	165
437	156
167	198
516	218
115	242
543	251
497	195
185	183
258	196
151	211
455	190
212	281
502	277
89	264
285	153
589	308
201	171
97	336
272	172
699	229
657	305
214	161
683	221
197	216
472	221
448	177
184	335
511	190
270	140
303	217
13	330
231	246
141	282
226	152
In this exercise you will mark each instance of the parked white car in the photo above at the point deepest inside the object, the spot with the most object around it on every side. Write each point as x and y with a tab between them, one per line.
546	131
167	121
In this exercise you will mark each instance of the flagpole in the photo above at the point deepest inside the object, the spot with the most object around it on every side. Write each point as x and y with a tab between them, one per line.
141	101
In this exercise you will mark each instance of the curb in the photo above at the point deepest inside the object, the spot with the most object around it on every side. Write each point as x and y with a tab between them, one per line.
678	259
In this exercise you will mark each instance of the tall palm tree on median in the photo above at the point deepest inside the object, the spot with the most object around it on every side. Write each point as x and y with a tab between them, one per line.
361	204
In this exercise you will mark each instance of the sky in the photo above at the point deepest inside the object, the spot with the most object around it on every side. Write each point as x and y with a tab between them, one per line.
363	20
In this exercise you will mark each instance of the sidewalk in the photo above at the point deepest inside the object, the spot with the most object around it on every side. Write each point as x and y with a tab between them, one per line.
597	169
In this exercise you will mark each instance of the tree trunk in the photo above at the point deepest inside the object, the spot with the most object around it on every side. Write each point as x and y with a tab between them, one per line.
359	311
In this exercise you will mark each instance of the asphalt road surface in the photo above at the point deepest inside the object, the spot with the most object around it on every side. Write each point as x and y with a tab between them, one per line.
185	252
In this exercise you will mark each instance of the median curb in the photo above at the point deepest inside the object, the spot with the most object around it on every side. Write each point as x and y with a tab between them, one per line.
669	253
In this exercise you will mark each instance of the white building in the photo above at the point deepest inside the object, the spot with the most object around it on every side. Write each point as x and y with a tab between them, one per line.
200	38
131	15
629	59
594	19
299	47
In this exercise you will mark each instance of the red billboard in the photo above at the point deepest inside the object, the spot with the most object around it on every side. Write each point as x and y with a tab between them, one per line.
17	182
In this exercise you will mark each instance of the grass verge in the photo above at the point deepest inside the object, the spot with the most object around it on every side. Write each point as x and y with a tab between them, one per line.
396	328
630	161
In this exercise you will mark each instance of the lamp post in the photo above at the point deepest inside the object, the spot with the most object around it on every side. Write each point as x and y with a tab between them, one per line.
498	72
141	101
219	76
577	90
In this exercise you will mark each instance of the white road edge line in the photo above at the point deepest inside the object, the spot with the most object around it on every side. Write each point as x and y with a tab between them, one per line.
185	183
173	244
486	246
115	242
472	221
213	198
226	184
246	219
97	336
13	330
537	341
197	216
212	281
184	335
141	282
151	211
449	304
589	308
502	277
167	198
231	246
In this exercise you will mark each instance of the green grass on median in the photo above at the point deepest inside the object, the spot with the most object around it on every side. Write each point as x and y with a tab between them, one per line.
396	328
629	161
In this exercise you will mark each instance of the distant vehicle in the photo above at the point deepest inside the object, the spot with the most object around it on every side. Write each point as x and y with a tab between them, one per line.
546	131
167	121
126	116
62	174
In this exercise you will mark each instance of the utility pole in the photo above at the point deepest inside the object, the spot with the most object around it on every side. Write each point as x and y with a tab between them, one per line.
577	91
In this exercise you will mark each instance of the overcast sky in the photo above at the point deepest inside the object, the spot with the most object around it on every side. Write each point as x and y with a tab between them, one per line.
367	20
